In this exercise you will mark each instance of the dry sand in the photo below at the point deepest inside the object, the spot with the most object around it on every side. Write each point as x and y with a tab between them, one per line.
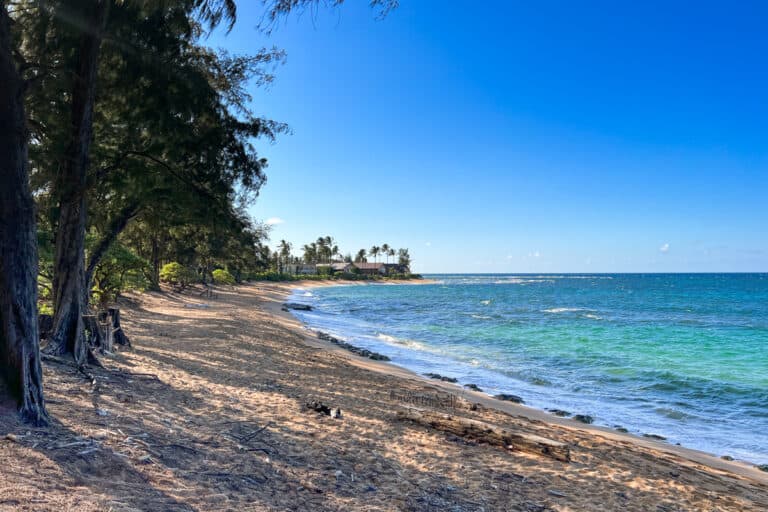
205	413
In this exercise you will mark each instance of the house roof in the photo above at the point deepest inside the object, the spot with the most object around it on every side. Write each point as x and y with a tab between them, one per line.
340	266
369	266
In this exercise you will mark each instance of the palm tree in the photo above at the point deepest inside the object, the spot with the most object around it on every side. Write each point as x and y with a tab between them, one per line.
285	253
391	252
374	251
310	252
360	256
321	247
385	251
404	258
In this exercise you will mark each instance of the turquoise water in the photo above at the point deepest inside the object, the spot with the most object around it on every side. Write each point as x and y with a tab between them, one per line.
684	356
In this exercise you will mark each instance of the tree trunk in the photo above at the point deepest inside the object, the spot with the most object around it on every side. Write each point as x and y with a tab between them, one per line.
116	226
118	336
155	278
19	343
69	261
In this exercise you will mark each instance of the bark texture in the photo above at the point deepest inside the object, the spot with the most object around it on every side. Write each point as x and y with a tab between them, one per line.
19	342
69	284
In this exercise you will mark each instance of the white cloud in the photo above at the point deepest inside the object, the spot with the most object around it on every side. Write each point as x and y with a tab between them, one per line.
274	221
664	248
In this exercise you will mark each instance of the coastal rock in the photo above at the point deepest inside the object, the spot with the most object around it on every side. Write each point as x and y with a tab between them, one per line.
509	398
297	306
655	437
559	412
473	387
727	457
584	418
362	352
437	376
621	429
763	467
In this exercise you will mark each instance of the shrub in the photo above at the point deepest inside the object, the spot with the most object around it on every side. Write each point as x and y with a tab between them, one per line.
176	273
221	276
43	308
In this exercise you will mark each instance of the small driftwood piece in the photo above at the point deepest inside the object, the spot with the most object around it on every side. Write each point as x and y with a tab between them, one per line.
487	433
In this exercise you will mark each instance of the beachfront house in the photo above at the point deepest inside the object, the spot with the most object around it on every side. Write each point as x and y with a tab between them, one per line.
342	267
300	269
333	268
371	269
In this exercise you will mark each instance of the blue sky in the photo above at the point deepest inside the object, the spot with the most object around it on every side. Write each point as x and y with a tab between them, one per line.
524	136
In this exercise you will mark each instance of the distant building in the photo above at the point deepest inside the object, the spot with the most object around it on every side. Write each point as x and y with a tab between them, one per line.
342	267
332	268
300	269
371	269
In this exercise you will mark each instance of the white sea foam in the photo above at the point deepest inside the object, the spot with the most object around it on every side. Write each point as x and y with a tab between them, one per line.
486	302
564	310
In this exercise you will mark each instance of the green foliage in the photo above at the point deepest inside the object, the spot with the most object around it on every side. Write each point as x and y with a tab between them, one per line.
44	308
176	273
221	276
120	269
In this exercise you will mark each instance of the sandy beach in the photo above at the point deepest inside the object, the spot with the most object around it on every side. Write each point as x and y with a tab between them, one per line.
207	412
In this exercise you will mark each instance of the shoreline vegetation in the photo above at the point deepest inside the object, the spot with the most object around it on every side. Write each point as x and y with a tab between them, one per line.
302	422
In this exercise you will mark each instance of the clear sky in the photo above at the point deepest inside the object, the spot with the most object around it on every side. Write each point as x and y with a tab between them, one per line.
522	136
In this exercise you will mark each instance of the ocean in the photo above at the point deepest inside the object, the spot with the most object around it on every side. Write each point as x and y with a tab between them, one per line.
683	356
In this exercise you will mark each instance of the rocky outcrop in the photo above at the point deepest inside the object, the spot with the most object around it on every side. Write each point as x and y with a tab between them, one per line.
362	352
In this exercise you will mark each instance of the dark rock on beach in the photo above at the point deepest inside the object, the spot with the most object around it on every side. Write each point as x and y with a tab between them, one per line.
655	437
763	467
584	418
559	412
621	429
509	398
437	376
473	387
297	306
362	352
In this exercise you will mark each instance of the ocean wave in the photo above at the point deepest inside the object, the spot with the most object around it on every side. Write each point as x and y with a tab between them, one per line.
386	338
486	302
481	317
593	317
564	310
522	281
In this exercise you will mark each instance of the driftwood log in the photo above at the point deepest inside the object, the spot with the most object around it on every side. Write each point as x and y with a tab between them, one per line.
487	433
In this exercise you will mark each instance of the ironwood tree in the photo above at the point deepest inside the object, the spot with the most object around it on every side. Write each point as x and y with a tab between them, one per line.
20	368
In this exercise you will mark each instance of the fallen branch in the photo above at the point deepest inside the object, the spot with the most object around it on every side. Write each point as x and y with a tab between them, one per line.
487	433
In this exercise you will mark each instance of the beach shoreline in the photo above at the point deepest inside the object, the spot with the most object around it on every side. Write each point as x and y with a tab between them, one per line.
740	467
214	408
